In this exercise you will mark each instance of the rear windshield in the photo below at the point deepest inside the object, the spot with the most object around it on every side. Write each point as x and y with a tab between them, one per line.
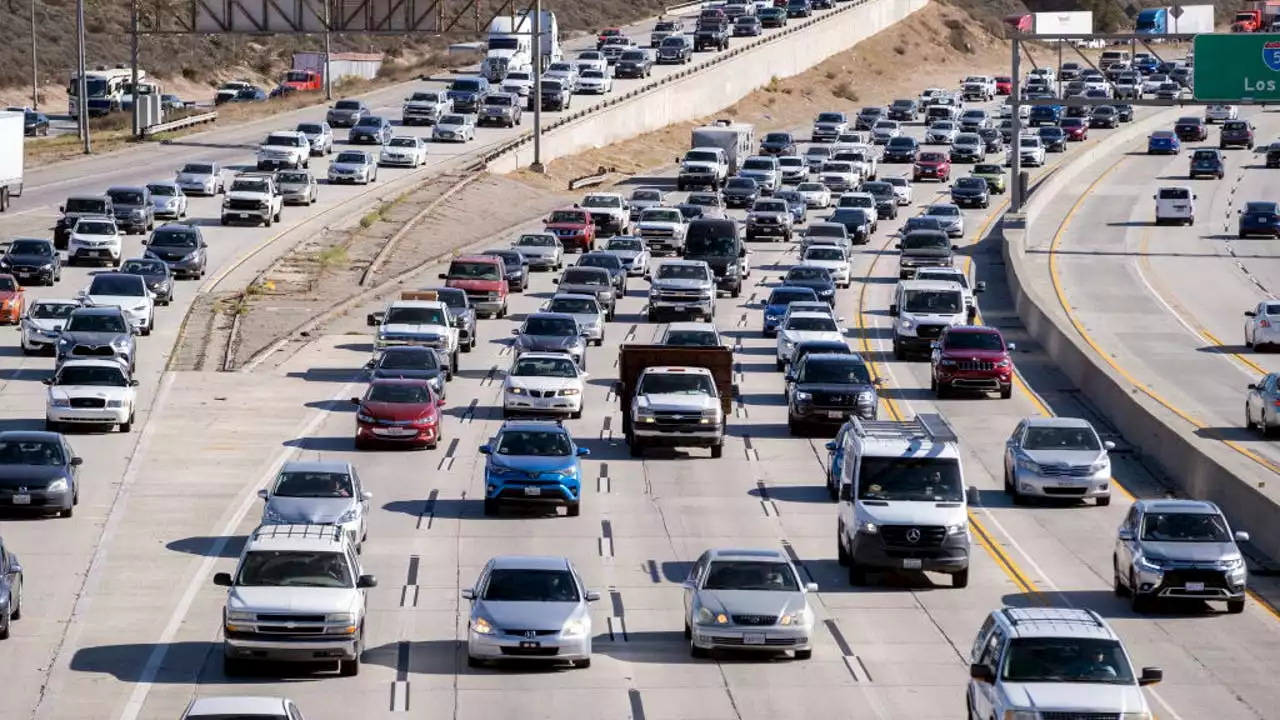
464	270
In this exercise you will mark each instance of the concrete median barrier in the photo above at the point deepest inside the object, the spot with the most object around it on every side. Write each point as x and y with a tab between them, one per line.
1197	466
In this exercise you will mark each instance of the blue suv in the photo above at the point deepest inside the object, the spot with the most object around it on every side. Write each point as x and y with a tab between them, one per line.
776	306
532	462
1260	218
835	460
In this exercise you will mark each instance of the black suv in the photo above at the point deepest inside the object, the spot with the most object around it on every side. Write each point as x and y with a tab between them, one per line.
826	389
134	212
1236	133
901	149
634	64
868	117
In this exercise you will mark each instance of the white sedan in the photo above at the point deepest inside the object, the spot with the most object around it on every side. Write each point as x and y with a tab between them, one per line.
815	194
1221	113
802	327
1262	326
543	384
404	151
597	82
90	392
454	127
833	259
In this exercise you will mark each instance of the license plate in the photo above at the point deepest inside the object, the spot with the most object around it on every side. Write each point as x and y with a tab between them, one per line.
1195	587
21	499
530	644
679	308
95	253
244	216
532	490
396	432
753	639
835	414
911	564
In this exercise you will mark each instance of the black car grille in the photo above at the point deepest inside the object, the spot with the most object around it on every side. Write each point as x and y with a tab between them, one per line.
971	365
901	535
601	218
531	652
675	418
88	402
1066	471
929	331
769	641
542	393
1078	716
755	620
525	633
290	630
242	204
290	618
93	351
1180	577
835	399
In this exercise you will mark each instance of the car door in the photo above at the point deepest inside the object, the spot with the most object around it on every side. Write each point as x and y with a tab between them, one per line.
357	486
1251	323
1252	399
835	456
691	584
70	454
985	695
1011	447
1126	541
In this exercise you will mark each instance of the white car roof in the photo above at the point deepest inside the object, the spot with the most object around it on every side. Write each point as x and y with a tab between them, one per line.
93	363
931	285
236	705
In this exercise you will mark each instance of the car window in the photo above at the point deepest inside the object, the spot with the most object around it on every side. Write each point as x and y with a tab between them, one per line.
295	568
409	359
175	238
585	274
541	443
414	316
1060	438
675	384
1184	527
398	394
1066	660
470	270
118	285
311	484
690	338
946	302
530	585
94	227
975	341
812	324
31	452
544	367
550	326
840	372
682	272
574	306
91	375
751	575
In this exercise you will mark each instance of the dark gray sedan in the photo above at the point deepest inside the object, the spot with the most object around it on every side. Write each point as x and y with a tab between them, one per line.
181	247
39	473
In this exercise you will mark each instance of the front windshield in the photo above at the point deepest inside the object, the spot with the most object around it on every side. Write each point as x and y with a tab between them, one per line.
51	311
1060	438
987	341
812	324
126	197
285	141
571	217
741	183
1185	527
682	272
987	170
314	485
95	227
937	302
474	271
663	215
676	384
827	231
602	201
347	105
294	568
897	479
403	142
646	196
353	158
175	238
498	101
628	244
310	129
751	575
544	367
574	306
92	375
540	443
1066	660
691	338
830	117
608	262
405	394
824	253
143	267
550	326
370	121
414	316
163	190
786	296
31	452
808	273
292	177
531	586
253	186
705	245
86	322
117	285
536	241
840	372
701	156
409	359
38	248
924	241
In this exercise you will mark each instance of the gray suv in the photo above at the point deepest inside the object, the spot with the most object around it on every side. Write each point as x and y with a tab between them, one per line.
1179	550
133	210
595	281
97	333
682	287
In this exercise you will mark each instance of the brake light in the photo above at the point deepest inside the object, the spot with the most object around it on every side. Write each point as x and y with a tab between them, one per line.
1265	323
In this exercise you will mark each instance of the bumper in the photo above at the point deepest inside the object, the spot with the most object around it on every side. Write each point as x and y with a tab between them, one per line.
26	276
698	179
489	306
495	120
353	179
1036	484
768	229
170	213
681	307
557	405
776	638
1180	584
871	551
197	188
541	262
37	500
412	119
550	648
912	343
94	253
37	342
531	492
822	415
976	381
684	435
396	161
295	650
253	216
397	434
88	416
297	198
662	243
728	283
279	162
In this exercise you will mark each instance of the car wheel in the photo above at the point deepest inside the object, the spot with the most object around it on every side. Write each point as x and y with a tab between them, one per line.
490	507
1235	607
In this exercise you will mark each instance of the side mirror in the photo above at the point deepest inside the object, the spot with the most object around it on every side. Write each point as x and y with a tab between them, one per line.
133	383
555	281
441	402
897	246
592	596
1013	346
1108	445
62	208
789	377
262	493
143	241
486	450
933	345
981	286
1125	534
374	319
811	587
893	311
468	594
742	252
57	328
369	365
515	331
1251	386
1151	676
222	579
367	581
955	248
49	381
846	492
77	461
355	401
830	446
444	276
1242	536
981	673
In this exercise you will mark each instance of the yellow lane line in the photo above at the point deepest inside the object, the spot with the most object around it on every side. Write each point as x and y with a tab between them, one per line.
1084	335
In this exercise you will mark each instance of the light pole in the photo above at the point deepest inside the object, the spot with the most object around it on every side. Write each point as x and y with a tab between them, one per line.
82	84
136	109
35	63
536	165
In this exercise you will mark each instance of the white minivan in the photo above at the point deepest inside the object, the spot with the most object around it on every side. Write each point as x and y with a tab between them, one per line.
1175	205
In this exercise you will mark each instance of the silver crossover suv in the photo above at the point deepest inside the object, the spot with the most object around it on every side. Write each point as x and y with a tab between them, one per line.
318	493
1179	550
1057	458
747	600
529	608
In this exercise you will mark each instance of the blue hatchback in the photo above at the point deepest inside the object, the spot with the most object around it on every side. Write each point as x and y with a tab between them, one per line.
776	306
533	462
1260	218
1163	142
815	278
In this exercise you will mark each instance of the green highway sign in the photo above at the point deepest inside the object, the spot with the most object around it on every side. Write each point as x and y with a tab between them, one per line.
1237	67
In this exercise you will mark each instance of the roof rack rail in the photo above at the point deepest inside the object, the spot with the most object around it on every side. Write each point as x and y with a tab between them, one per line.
317	532
535	417
1092	617
925	426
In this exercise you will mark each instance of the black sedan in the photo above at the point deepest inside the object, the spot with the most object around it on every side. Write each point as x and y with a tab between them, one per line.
857	221
39	473
35	123
1191	129
740	192
1054	138
815	278
155	273
778	143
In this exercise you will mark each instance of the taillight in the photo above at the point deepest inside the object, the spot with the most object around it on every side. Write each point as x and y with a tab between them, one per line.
1265	323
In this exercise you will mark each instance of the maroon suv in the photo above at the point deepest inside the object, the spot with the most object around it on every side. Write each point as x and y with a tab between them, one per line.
971	357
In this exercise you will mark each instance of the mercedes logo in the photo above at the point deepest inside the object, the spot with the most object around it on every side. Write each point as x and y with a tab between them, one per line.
530	633
22	490
913	535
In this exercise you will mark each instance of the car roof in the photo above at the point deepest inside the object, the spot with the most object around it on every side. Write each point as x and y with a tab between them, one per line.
316	466
1177	505
530	562
748	555
704	326
930	285
476	258
93	363
65	301
383	382
1058	422
549	316
28	436
297	537
97	310
807	314
1055	622
530	425
236	705
571	296
545	356
973	330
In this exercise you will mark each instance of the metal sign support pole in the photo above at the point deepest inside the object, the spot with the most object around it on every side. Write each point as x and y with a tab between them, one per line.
536	165
1015	148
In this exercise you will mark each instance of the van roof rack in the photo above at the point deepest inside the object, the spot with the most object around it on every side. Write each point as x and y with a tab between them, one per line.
316	532
925	426
1062	616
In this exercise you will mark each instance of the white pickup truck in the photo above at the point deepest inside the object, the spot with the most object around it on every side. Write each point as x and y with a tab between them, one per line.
979	87
675	396
418	318
253	198
703	167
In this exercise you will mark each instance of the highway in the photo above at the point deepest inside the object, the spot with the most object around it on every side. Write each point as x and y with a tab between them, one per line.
1166	304
139	636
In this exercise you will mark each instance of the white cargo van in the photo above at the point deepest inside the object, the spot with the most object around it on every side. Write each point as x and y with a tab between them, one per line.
1175	205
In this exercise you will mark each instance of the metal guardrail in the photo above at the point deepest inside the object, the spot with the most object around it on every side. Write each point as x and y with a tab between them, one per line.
682	6
601	174
180	123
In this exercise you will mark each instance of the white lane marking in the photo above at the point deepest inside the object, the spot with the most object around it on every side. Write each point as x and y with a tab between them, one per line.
197	581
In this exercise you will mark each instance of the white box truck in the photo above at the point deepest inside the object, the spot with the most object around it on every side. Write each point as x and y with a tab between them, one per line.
1075	22
1194	19
12	137
738	140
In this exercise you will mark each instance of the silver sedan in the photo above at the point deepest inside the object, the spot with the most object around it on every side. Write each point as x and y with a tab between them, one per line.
532	608
168	200
318	493
749	600
1058	458
632	251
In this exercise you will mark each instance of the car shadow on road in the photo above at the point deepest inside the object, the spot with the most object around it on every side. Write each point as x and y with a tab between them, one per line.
1234	434
793	494
451	509
27	374
1227	350
219	547
365	347
25	424
832	578
334	375
341	406
11	351
322	444
1132	223
1106	604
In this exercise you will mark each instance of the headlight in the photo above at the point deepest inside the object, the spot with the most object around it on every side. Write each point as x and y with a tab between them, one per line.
47	266
574	628
516	390
867	527
59	485
60	403
1027	464
237	616
1100	466
345	618
799	617
906	324
480	626
826	291
957	528
1136	716
139	307
569	392
115	404
1150	565
349	516
364	418
803	396
1232	564
706	617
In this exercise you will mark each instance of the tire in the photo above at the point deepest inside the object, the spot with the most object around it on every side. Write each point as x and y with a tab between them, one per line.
804	654
1138	602
582	664
694	651
717	451
1235	607
349	668
1006	393
960	579
1104	501
127	425
474	662
1118	587
688	631
232	667
842	555
16	613
490	507
574	510
857	574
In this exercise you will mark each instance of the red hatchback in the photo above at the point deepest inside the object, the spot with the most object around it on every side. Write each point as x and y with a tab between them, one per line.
398	412
1004	85
574	227
932	166
974	358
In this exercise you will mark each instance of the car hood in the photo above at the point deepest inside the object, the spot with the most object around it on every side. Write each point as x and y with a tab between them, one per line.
587	319
348	167
957	190
310	511
989	355
31	475
81	337
799	336
395	411
533	463
194	178
931	163
679	284
840	388
549	343
292	600
1064	458
169	252
24	259
446	127
414	329
699	165
566	226
676	402
63	392
769	214
1206	552
912	513
751	602
829	264
738	192
1069	697
947	220
755	173
540	383
242	195
549	616
471	284
626	256
124	301
537	250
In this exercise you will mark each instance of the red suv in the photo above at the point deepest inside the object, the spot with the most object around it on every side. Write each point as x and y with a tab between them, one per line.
605	34
971	357
1004	85
574	227
932	166
483	279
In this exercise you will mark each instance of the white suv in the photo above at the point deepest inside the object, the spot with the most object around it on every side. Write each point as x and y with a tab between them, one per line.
297	595
285	149
1032	663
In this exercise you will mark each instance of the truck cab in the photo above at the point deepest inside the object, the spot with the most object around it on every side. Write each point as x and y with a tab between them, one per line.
675	396
253	198
921	309
903	503
702	167
483	278
418	318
